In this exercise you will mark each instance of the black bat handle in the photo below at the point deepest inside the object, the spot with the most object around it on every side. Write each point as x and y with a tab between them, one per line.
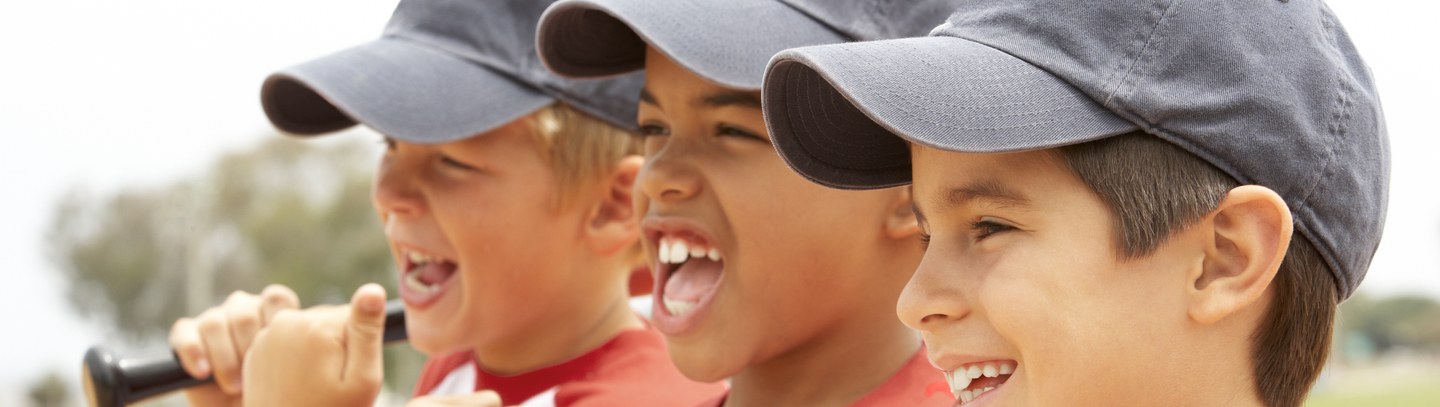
112	381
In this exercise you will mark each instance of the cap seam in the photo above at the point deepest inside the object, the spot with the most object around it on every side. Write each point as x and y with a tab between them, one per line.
1126	83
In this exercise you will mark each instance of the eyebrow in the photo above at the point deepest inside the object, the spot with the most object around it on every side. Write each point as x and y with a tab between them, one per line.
987	190
714	100
733	98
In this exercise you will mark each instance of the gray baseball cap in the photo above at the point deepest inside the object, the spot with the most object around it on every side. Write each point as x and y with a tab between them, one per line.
723	41
444	70
1271	92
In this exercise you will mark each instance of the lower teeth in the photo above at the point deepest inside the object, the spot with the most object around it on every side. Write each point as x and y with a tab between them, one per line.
678	307
412	280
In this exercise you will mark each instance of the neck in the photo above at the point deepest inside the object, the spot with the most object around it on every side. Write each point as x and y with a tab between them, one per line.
837	368
578	326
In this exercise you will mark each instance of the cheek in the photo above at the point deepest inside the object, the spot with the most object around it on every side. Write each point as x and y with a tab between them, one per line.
1046	302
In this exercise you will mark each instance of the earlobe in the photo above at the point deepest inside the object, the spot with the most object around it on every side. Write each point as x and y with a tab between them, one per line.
900	220
611	223
1248	235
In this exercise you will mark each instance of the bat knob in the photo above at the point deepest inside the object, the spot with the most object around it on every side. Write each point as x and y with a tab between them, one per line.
100	378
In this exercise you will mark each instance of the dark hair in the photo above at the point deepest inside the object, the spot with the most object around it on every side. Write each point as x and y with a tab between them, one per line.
1155	189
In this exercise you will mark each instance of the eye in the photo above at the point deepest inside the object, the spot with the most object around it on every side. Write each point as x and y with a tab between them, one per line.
647	130
456	164
733	131
986	227
924	241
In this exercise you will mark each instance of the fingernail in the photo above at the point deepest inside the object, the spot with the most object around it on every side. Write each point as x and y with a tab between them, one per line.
202	365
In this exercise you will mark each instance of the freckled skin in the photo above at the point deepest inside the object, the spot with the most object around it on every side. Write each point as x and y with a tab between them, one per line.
1042	284
532	290
804	313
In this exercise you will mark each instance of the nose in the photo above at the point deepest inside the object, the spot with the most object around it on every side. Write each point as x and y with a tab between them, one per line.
935	295
396	191
668	175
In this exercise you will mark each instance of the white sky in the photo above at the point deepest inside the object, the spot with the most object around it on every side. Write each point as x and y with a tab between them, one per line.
106	94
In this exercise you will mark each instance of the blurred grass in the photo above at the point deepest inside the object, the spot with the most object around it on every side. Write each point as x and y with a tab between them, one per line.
1399	380
1412	395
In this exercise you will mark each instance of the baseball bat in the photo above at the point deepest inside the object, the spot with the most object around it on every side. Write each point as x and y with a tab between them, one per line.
112	381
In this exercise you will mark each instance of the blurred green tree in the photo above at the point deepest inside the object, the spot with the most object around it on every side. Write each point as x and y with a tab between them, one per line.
49	391
1399	321
288	211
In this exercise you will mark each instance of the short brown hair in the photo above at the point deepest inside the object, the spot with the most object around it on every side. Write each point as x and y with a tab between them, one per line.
579	147
1155	189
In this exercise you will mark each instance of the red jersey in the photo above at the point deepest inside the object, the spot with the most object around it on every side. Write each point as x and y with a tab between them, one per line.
632	369
916	384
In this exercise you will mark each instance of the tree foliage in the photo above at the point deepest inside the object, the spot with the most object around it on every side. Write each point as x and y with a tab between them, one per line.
291	212
1401	321
49	390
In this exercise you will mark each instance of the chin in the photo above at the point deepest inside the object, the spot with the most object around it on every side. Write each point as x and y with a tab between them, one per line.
702	365
426	339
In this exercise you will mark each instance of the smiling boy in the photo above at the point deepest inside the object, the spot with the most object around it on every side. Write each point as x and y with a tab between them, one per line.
1130	202
506	197
781	285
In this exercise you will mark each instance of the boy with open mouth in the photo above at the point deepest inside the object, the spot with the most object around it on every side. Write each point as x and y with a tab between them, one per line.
1127	202
506	196
783	286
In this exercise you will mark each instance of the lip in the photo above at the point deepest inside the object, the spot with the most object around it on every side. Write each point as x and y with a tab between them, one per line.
667	323
415	300
984	398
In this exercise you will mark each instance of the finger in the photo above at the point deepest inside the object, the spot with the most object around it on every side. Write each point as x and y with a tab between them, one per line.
363	337
242	313
185	340
220	349
275	298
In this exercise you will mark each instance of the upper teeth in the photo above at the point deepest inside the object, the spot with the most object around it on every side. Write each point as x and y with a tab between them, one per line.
961	377
418	258
676	251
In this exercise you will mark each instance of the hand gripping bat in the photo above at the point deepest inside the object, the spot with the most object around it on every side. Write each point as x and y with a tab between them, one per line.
113	381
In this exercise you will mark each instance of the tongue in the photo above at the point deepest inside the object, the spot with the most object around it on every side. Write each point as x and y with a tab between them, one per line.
436	271
692	280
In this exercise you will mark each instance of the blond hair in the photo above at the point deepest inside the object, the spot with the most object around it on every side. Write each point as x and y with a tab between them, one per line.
580	148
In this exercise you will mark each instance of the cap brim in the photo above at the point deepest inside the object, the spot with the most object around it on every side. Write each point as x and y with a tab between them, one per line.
726	42
401	89
835	111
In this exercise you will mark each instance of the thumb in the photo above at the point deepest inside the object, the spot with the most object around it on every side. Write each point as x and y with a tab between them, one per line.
363	337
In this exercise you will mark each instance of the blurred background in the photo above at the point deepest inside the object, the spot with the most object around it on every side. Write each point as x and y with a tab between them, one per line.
146	184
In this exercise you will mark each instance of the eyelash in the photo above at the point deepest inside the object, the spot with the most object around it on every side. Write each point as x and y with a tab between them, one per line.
985	227
648	130
728	130
451	162
988	228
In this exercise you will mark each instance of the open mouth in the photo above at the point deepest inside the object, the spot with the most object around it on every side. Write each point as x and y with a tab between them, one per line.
424	277
688	273
970	381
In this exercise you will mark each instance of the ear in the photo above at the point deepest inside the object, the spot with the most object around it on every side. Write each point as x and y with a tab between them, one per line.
1246	240
611	224
900	220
